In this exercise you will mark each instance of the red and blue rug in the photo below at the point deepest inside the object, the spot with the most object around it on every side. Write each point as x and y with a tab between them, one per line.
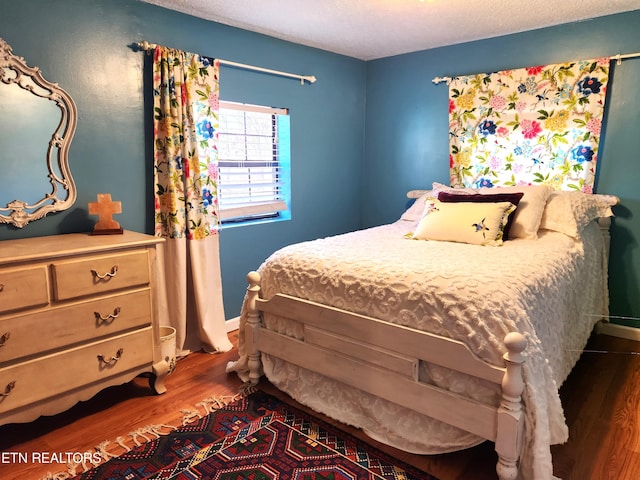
257	437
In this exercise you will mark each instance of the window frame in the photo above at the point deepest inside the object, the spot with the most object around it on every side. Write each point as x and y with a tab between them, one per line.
271	210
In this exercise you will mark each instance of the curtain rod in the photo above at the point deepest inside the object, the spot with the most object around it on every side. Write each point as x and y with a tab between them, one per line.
309	78
618	58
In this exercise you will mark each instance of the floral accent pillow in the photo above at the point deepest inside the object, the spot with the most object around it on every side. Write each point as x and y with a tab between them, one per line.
513	198
465	222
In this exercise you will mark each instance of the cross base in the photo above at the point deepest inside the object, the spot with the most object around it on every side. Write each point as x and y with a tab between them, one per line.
107	231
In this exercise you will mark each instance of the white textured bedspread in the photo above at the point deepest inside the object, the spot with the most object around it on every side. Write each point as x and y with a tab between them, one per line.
550	289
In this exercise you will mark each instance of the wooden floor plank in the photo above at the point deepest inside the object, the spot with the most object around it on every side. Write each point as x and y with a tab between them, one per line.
601	399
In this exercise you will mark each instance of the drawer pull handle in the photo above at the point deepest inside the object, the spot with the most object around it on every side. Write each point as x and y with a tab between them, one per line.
4	338
107	318
1	287
112	360
112	273
8	389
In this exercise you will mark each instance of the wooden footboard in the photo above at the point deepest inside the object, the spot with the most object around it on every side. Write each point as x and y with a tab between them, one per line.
382	358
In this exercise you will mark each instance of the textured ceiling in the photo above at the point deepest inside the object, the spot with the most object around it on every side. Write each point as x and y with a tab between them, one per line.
370	29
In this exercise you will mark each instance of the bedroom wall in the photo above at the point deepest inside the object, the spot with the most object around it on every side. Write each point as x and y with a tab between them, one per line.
85	46
407	126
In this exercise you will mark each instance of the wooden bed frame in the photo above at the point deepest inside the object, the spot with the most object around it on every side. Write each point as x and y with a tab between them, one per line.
383	359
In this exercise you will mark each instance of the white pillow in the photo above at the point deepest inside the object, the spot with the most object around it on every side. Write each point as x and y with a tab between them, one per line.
465	222
527	218
570	212
416	210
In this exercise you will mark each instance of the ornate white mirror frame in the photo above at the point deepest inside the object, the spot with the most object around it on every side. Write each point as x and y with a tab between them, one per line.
15	71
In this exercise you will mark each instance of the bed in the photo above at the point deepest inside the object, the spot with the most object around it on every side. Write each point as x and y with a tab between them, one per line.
433	344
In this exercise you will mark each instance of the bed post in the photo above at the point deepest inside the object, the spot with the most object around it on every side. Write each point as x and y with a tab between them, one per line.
510	415
251	329
605	225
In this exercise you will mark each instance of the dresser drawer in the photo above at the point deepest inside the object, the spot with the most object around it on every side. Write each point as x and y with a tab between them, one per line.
62	326
93	275
22	288
55	374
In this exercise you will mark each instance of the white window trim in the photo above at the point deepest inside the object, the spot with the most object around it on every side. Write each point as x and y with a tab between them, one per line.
246	107
253	209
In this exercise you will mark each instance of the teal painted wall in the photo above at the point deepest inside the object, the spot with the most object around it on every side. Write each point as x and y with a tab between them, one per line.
85	46
407	124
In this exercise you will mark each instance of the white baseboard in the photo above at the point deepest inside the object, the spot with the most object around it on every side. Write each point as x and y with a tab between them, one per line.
615	330
233	324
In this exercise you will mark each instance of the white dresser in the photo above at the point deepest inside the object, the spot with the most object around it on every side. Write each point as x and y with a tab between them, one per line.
76	315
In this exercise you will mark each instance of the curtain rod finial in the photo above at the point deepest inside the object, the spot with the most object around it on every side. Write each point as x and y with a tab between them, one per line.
438	80
146	46
309	78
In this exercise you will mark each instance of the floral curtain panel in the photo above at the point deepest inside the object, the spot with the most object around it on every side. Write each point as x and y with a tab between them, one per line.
539	125
186	92
185	109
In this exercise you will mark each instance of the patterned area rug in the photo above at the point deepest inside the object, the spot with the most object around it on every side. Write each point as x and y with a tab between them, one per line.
257	437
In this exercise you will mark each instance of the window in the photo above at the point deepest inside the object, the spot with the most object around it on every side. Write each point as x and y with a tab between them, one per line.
254	160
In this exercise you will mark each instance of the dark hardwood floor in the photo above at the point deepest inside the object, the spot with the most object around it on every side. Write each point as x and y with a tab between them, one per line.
601	400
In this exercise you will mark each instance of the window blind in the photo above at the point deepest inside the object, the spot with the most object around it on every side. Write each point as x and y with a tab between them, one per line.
253	160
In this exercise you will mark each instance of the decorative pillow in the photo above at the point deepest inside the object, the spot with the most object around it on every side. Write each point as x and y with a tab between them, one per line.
416	210
513	198
570	212
530	209
465	222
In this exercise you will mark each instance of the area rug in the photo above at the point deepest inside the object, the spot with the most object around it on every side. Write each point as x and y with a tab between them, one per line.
256	437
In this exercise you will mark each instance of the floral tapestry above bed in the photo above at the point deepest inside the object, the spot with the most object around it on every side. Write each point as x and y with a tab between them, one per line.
535	125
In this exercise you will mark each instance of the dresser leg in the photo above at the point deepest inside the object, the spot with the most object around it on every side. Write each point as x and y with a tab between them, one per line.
156	379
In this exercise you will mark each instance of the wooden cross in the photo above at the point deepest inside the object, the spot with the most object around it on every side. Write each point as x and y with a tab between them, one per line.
105	208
